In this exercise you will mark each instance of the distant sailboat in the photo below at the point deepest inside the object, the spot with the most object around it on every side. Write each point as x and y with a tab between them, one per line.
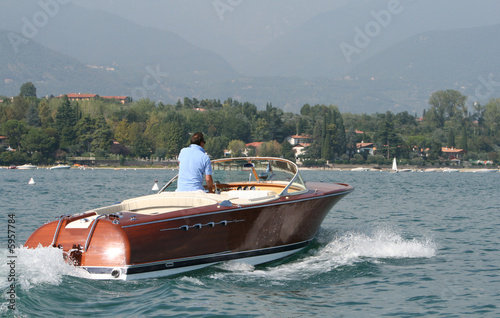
395	167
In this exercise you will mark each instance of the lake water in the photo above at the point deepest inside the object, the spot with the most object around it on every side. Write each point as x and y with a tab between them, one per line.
404	245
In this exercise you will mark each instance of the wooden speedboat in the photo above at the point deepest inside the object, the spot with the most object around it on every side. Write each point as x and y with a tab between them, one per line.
262	210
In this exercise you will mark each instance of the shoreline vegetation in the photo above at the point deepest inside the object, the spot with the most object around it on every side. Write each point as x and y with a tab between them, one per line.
333	167
91	130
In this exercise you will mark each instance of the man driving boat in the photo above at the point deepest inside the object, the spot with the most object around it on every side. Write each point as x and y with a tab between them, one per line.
194	163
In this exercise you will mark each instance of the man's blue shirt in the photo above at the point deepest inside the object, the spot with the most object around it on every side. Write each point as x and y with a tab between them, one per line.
193	164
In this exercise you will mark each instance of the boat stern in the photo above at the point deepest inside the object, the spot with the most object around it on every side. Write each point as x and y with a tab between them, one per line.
90	242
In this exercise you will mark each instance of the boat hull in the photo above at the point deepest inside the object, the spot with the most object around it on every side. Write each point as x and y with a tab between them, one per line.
27	167
131	246
60	167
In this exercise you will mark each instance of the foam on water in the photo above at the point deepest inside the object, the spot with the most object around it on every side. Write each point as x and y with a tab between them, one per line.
192	280
343	249
381	243
42	265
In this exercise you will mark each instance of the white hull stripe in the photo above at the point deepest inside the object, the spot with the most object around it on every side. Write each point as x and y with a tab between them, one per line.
176	265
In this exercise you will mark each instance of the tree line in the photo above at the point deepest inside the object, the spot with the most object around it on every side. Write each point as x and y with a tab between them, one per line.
48	130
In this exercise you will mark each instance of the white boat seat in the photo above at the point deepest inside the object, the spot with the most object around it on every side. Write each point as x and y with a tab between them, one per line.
173	201
162	204
244	197
250	194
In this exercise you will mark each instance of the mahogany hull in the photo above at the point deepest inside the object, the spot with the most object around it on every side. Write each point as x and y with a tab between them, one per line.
130	245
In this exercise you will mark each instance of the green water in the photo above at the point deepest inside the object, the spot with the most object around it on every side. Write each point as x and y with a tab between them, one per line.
403	245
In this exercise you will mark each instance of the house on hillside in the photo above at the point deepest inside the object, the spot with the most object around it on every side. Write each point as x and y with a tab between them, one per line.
78	97
300	149
365	148
121	99
453	154
251	148
294	140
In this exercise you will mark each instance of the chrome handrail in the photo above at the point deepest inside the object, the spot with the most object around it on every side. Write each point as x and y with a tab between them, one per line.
58	228
89	237
168	184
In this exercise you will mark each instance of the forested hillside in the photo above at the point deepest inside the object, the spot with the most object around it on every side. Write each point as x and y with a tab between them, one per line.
22	60
42	131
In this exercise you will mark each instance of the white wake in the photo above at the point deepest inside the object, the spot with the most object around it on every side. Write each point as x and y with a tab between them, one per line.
343	249
32	267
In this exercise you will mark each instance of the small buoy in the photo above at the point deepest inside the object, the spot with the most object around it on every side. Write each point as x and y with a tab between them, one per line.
155	187
31	181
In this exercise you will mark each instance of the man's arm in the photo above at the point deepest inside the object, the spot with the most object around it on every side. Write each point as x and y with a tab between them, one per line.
210	183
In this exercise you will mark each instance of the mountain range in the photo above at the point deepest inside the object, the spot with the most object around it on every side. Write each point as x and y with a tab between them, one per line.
76	49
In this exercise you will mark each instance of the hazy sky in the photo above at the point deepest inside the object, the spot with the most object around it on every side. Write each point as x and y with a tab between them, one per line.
233	28
227	27
258	38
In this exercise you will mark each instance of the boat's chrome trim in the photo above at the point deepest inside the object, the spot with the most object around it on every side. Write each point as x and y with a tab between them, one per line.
91	232
58	228
199	225
177	265
239	208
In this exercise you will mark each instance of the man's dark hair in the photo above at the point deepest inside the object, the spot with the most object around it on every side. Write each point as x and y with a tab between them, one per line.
197	138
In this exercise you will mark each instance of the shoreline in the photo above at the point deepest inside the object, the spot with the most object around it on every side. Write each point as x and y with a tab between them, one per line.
328	168
388	169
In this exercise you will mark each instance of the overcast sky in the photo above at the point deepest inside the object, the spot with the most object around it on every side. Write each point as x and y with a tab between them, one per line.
306	39
234	27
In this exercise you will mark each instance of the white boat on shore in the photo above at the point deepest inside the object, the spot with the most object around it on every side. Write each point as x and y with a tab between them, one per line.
451	170
430	170
27	167
60	167
360	169
485	170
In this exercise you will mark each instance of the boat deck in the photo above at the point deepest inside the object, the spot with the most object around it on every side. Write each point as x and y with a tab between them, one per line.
173	201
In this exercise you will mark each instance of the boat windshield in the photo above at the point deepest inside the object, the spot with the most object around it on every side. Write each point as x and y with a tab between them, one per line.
256	170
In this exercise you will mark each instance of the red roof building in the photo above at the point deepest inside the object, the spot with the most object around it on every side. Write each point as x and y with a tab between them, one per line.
453	153
121	99
298	139
365	147
248	147
77	97
255	144
300	149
